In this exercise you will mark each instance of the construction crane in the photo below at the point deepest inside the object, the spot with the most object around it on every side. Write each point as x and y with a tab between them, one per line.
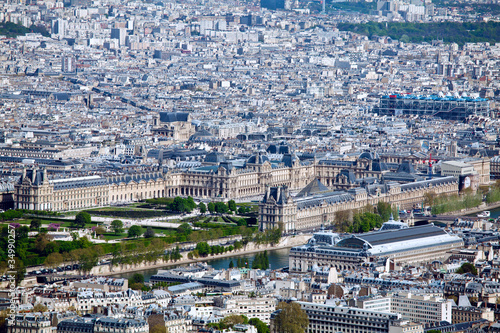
430	164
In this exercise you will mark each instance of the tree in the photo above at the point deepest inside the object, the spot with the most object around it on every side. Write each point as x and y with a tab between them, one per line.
4	315
291	318
41	241
231	204
158	328
221	208
19	269
88	259
149	233
232	320
259	325
100	230
211	207
178	205
384	209
203	249
184	229
202	207
176	254
241	222
136	278
53	260
190	204
231	264
39	307
429	198
134	231
81	219
342	220
467	268
117	226
35	224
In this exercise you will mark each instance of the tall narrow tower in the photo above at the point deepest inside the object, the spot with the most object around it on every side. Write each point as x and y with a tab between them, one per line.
323	2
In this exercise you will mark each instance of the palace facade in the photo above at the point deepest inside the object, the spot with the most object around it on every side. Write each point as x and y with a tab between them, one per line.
317	205
35	191
358	182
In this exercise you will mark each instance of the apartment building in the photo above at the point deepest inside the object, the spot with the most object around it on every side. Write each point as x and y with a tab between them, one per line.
377	303
465	314
258	307
424	309
325	318
29	322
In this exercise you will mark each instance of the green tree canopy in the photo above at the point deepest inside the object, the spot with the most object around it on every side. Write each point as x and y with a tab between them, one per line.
53	260
185	229
149	233
203	249
136	278
35	224
211	207
467	268
202	207
221	208
134	231
291	318
259	325
117	226
81	219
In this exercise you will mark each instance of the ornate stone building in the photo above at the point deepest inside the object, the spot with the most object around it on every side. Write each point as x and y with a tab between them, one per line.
365	180
316	204
226	181
175	125
397	247
36	191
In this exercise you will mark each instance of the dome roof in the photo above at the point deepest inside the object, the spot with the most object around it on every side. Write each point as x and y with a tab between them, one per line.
369	155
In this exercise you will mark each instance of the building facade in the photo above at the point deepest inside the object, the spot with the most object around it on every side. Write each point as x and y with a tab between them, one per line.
317	205
445	107
174	125
350	185
466	314
35	191
324	318
424	309
408	246
29	323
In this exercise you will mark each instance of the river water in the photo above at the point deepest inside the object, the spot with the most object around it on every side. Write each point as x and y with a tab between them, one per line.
277	259
494	213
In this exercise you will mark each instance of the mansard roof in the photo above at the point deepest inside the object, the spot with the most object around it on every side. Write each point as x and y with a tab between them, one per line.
170	117
314	187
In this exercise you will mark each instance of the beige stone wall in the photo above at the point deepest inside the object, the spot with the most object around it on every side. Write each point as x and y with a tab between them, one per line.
324	214
135	191
79	198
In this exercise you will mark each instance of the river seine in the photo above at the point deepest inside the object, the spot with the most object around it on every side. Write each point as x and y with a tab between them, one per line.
277	259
